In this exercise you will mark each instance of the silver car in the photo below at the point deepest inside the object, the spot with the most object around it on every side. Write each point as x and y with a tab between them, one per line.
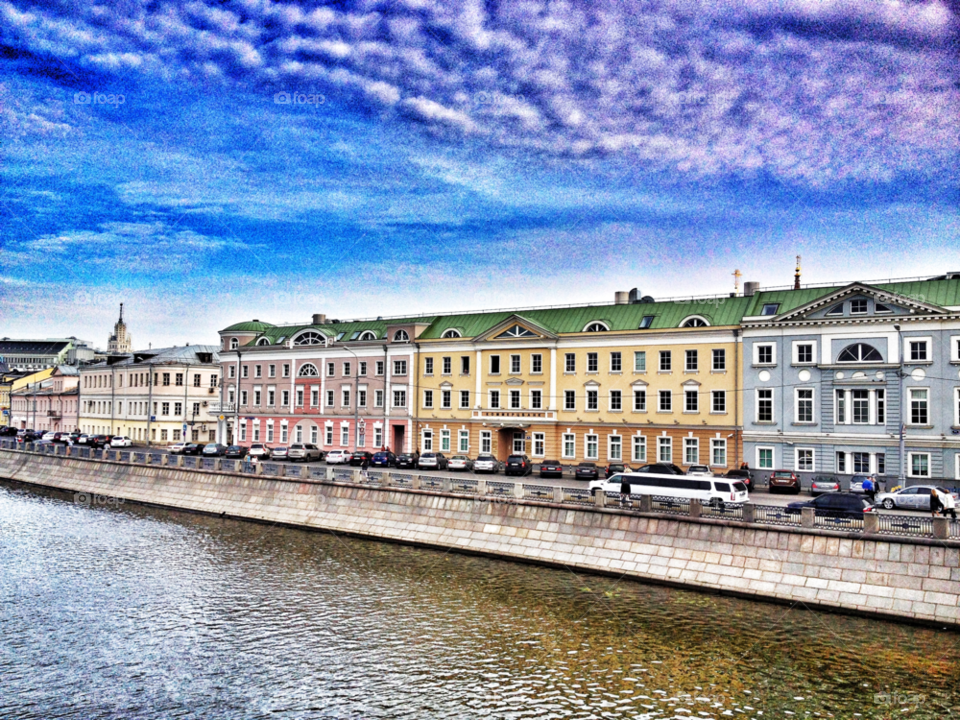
916	497
699	471
487	464
304	451
460	462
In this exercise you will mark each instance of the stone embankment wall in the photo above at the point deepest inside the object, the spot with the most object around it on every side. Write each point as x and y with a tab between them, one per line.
905	578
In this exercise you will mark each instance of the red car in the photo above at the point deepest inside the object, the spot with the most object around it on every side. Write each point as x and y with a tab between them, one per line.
784	481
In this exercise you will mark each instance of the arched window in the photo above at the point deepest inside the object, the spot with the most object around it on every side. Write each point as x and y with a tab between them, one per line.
860	352
451	333
695	321
234	343
308	370
596	327
263	341
401	336
367	335
308	338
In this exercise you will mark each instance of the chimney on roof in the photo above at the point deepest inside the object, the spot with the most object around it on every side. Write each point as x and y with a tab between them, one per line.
796	275
621	297
634	296
751	288
319	319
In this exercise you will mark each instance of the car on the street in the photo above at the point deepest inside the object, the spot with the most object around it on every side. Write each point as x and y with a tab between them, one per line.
304	452
517	465
213	450
259	451
338	457
915	497
82	440
193	449
432	461
235	452
615	469
661	469
280	453
551	468
384	458
824	484
7	431
407	461
460	462
486	463
856	483
358	456
121	441
586	471
784	481
98	441
176	448
742	475
49	436
74	436
699	471
835	505
717	492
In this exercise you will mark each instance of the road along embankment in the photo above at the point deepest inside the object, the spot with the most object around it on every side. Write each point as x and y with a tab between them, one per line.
907	578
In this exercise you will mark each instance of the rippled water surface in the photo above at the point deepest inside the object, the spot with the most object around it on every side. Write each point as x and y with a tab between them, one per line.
129	612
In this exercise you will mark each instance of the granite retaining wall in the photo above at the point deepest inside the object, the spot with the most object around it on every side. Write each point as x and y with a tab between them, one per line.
913	579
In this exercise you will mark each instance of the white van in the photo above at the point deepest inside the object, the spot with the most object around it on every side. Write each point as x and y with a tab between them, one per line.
709	491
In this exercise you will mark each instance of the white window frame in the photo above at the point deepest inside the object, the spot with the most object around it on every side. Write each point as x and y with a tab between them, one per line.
536	399
665	442
463	441
515	399
615	448
955	348
910	457
591	446
536	359
909	418
695	392
490	394
691	443
569	441
773	457
714	394
618	394
640	359
464	399
638	448
446	399
796	459
715	445
539	444
638	394
773	354
486	441
428	399
773	407
661	394
426	440
909	341
445	440
567	394
795	352
813	406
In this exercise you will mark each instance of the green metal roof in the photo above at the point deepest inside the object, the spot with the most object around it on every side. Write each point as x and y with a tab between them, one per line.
249	326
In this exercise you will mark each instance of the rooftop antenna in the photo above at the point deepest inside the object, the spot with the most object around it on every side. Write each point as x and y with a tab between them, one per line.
736	281
796	275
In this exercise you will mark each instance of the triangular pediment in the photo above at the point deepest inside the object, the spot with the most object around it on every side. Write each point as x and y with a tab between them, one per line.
514	381
836	305
517	327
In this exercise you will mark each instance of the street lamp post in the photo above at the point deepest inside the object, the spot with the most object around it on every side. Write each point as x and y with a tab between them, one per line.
901	478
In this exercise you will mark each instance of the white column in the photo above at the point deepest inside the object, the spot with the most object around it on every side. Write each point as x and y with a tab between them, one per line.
553	379
478	403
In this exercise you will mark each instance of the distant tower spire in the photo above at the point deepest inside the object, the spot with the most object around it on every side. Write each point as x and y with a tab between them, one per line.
121	312
736	281
796	275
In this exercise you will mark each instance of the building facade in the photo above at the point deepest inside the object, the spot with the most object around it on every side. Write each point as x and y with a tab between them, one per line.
49	403
119	341
159	396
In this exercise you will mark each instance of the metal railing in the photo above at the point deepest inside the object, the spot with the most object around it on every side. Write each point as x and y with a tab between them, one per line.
428	482
843	522
465	486
724	511
907	524
537	492
775	515
668	505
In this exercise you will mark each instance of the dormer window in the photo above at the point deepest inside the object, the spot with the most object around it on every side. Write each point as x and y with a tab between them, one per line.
263	341
694	321
770	309
646	322
401	336
234	343
368	335
860	352
858	306
451	333
308	338
596	327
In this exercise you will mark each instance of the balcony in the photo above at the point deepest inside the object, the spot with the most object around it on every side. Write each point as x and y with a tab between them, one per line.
54	414
214	408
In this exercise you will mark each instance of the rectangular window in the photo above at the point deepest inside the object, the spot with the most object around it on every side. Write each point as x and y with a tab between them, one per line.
345	397
536	364
399	398
593	400
918	350
881	464
494	399
447	365
514	399
444	441
639	400
380	367
718	452
881	408
378	398
765	458
486	441
327	435
691	451
428	440
718	401
361	398
639	449
515	364
666	361
616	362
805	405
331	369
764	354
665	449
841	397
286	370
344	435
666	401
919	465
569	400
331	398
593	362
257	372
692	363
536	399
592	447
362	371
614	448
804	353
178	407
764	405
314	397
165	407
494	364
691	403
179	377
570	363
166	376
283	434
841	462
428	366
399	367
428	399
569	445
861	408
861	462
805	459
919	411
464	399
463	443
719	360
446	399
858	307
196	380
616	401
640	361
464	364
232	372
346	369
539	444
256	398
271	370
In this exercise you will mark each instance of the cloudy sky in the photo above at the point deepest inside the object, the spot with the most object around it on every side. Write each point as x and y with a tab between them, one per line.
205	162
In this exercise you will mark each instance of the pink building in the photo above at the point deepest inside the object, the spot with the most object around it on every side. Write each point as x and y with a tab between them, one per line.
49	405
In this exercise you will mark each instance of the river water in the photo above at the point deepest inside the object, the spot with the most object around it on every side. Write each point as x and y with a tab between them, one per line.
111	610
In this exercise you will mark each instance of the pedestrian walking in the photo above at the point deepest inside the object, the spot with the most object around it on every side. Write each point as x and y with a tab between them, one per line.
364	466
949	504
624	492
936	504
870	491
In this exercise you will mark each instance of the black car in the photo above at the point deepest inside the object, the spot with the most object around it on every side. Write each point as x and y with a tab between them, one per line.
834	504
192	449
550	468
661	469
31	436
359	456
98	441
614	468
7	431
586	471
236	452
407	461
741	475
384	458
518	465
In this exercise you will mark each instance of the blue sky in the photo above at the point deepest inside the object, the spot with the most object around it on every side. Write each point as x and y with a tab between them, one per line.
457	155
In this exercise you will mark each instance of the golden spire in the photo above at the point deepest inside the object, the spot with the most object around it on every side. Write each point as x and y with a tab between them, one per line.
796	275
736	281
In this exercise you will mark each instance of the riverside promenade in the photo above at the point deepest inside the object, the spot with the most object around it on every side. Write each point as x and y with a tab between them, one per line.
904	567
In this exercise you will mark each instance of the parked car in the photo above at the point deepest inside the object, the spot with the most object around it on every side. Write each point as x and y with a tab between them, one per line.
121	441
384	458
192	449
661	469
82	440
518	465
712	491
214	450
614	469
834	504
856	483
235	452
359	456
259	451
486	463
916	497
280	453
7	431
98	441
305	452
743	476
551	468
699	471
176	448
432	461
460	462
49	436
338	457
586	471
784	480
73	437
29	436
824	484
